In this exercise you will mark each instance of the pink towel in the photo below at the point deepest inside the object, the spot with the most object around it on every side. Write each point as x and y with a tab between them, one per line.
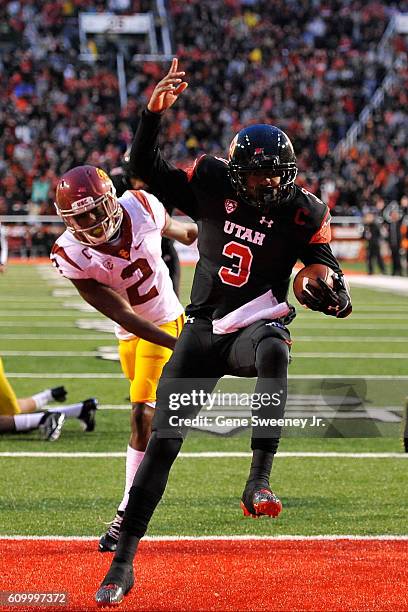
265	306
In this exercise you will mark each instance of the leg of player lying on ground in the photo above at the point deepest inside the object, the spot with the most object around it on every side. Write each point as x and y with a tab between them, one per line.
25	414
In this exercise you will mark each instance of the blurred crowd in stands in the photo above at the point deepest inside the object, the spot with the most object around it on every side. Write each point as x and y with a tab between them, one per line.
309	66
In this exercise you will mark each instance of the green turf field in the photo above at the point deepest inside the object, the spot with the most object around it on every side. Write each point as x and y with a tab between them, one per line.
41	347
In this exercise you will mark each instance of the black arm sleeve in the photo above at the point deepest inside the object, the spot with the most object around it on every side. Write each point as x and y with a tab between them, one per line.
164	180
320	253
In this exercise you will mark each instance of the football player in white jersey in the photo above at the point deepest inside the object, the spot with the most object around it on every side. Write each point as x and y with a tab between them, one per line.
111	252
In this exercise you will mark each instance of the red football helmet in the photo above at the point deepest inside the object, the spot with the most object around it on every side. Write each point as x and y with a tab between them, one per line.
86	201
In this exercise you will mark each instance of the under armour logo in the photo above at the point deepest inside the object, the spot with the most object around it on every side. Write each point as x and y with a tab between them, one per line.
190	319
268	222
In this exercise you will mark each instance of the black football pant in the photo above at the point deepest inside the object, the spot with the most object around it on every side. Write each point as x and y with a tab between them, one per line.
199	360
171	259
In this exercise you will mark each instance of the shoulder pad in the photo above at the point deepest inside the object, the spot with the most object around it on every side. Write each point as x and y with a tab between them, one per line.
209	167
310	212
70	258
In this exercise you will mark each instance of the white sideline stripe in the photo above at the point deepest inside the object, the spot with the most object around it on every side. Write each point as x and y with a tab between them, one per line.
91	375
220	538
208	455
296	355
56	337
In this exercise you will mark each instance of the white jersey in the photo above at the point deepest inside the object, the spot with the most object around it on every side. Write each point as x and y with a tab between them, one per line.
132	266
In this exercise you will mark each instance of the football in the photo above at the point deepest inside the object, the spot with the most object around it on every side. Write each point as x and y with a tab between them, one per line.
310	274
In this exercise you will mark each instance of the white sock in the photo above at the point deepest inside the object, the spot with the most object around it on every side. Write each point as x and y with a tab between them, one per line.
133	460
41	399
71	412
24	422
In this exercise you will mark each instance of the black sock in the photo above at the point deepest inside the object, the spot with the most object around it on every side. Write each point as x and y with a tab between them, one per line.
261	467
126	548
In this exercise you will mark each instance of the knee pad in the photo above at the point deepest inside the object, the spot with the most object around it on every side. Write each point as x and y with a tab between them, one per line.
272	356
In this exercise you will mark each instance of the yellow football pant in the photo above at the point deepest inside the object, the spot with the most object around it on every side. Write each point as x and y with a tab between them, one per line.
8	400
142	362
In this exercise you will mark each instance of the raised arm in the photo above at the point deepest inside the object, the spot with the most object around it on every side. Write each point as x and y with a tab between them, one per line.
145	161
114	307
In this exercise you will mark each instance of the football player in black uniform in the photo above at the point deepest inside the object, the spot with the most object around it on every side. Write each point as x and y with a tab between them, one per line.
254	224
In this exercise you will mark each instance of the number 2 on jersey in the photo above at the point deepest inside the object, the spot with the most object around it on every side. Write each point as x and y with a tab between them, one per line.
238	274
133	291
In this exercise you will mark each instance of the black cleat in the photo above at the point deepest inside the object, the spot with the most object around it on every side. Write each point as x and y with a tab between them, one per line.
116	584
87	416
59	394
50	426
108	542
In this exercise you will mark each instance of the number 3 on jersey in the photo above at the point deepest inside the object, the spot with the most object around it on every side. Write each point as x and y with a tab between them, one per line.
238	274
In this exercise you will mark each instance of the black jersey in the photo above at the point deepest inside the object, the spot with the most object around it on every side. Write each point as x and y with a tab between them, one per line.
243	251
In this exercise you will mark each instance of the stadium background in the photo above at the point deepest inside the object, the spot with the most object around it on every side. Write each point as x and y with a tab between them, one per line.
315	69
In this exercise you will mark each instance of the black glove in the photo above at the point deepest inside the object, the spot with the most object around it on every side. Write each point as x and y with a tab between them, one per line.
334	302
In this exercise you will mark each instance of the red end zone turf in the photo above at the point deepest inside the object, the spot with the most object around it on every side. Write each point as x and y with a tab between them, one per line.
227	575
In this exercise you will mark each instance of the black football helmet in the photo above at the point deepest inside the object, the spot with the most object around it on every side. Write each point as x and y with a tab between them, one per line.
258	148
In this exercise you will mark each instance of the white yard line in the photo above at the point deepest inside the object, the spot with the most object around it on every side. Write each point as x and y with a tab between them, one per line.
350	355
296	355
206	455
30	314
44	376
54	337
352	339
102	336
347	327
304	315
49	353
216	538
30	325
91	375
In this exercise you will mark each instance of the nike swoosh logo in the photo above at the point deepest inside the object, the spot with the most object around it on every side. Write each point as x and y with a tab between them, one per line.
140	243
